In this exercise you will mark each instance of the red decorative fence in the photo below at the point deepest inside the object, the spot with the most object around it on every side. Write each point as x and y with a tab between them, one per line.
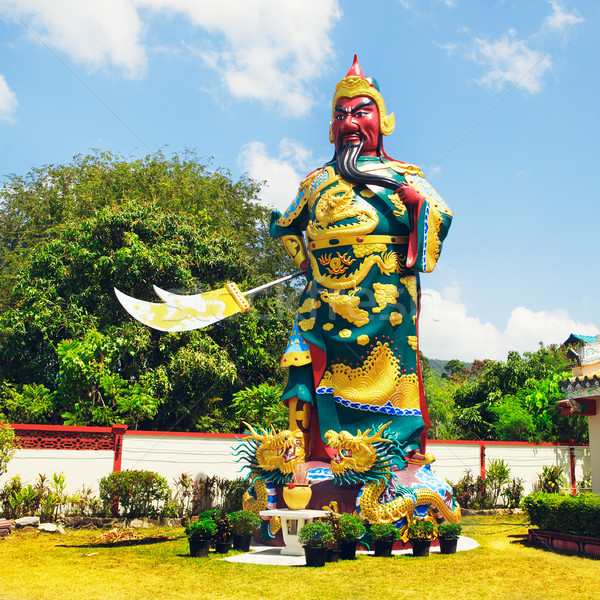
64	437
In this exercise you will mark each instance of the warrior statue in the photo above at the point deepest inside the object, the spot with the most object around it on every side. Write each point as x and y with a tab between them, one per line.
363	226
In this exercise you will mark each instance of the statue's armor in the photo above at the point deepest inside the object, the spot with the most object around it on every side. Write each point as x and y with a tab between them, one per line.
354	347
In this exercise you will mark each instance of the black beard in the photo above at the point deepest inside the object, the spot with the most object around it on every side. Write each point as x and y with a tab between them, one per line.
346	161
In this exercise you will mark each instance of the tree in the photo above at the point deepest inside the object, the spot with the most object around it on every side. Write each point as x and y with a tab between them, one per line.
36	207
63	329
7	446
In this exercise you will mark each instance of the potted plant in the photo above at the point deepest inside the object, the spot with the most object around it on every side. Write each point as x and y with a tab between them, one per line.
350	529
316	537
243	525
200	534
448	534
420	534
297	492
223	536
384	535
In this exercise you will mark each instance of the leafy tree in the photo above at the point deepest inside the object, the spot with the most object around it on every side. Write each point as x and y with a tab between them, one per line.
64	332
36	207
440	404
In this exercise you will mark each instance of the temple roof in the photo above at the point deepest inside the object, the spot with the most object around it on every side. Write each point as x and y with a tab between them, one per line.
579	383
577	338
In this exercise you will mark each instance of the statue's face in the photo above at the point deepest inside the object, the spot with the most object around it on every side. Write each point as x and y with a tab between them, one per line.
355	119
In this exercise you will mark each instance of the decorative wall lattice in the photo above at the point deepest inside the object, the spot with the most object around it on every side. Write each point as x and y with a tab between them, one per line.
66	440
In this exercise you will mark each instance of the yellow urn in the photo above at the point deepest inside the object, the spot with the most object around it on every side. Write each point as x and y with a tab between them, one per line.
297	495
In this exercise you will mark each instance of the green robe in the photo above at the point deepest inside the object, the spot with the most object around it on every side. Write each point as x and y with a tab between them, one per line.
353	351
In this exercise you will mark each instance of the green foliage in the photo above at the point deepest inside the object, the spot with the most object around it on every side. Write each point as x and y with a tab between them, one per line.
497	475
317	534
449	531
440	403
134	493
513	492
7	446
260	406
551	479
203	529
578	515
421	530
471	493
516	400
351	528
384	532
244	522
70	233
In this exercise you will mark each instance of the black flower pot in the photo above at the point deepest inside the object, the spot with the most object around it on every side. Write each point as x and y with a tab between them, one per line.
348	550
242	542
333	555
448	546
420	547
383	548
315	557
199	547
223	547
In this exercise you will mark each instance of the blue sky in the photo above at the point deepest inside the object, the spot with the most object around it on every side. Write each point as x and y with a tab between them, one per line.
496	101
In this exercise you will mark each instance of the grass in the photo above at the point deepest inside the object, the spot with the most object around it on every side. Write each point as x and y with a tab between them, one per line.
38	566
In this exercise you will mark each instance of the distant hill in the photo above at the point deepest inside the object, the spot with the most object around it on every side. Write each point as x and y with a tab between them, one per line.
437	365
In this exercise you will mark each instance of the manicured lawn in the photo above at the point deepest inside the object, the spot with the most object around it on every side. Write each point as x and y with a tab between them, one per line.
36	566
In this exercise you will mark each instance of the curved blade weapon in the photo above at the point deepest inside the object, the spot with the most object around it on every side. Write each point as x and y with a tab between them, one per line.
184	313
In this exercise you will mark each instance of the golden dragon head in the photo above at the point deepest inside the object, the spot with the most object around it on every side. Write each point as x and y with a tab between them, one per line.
353	455
282	450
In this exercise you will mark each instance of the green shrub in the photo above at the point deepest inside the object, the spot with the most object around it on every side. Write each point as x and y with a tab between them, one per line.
513	492
422	530
384	532
449	531
471	493
351	528
244	522
551	479
134	493
579	515
203	529
317	534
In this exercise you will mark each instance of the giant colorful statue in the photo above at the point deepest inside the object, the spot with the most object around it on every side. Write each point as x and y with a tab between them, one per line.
362	228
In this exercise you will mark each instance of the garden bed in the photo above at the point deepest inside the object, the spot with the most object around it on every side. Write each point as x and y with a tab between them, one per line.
566	542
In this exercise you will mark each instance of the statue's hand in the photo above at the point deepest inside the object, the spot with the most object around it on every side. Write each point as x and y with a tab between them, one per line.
409	196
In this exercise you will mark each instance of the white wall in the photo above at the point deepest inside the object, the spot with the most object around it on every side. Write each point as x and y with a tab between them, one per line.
174	454
81	467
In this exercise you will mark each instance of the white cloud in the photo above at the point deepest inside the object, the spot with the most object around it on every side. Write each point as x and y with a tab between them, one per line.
265	50
446	330
561	20
509	60
95	34
271	49
8	101
282	174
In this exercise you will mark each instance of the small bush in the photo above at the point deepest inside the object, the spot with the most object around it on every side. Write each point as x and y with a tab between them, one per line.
449	531
422	530
244	522
317	534
471	493
203	529
513	492
384	532
550	480
134	493
351	528
578	515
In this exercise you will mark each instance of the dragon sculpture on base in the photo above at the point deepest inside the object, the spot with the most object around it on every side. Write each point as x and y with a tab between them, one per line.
389	494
